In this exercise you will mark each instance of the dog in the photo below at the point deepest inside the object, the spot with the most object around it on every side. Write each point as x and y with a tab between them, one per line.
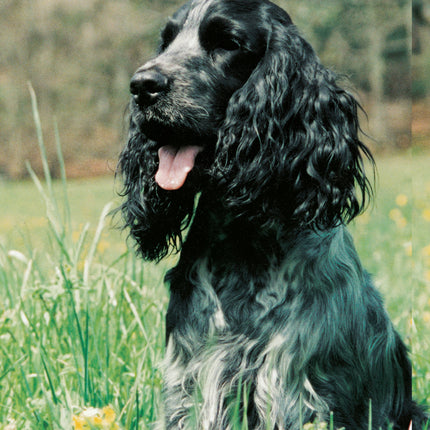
244	155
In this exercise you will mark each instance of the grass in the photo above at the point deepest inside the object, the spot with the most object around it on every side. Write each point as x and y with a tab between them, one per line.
82	320
393	240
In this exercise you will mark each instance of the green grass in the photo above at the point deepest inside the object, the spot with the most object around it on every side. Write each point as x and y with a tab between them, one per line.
393	240
82	320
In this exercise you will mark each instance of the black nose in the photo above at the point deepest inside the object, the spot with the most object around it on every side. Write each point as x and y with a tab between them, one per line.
147	86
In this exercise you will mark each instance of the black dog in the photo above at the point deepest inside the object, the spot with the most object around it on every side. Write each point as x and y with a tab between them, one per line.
272	318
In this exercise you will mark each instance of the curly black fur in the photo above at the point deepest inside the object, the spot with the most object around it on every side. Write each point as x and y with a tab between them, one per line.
269	294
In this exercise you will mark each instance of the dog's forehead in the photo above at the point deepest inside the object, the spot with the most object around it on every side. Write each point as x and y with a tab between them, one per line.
187	40
198	9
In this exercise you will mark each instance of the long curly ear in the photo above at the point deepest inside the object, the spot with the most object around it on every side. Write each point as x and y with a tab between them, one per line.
154	217
289	146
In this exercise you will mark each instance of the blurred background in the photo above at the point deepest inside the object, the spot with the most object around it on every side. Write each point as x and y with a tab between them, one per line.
79	56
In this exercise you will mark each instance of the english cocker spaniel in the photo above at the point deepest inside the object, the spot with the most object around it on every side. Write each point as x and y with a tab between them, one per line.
244	155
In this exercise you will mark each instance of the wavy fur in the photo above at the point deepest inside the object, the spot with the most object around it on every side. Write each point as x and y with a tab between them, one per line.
272	318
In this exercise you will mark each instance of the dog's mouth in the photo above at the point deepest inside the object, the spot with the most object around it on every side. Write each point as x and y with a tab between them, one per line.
174	165
178	147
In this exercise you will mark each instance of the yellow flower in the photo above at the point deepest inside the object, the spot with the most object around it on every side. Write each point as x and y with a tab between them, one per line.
426	317
426	251
98	421
109	414
397	216
93	418
78	423
426	214
401	200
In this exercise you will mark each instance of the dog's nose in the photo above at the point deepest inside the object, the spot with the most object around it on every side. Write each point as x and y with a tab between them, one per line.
146	86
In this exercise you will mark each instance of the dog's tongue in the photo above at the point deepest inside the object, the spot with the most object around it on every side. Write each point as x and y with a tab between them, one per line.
174	165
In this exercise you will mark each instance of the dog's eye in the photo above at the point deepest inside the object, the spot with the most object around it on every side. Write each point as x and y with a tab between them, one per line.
222	43
227	43
219	35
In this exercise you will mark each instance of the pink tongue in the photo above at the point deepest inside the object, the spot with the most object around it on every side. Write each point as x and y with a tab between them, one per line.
174	166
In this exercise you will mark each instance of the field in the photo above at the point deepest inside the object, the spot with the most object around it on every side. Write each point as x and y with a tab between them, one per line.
82	319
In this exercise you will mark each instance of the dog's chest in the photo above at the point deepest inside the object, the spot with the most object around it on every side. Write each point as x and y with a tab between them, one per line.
240	302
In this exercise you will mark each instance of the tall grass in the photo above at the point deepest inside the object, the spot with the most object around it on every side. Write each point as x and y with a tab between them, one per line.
80	332
75	333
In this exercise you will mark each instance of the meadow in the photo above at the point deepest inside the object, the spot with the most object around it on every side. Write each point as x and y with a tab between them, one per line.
82	319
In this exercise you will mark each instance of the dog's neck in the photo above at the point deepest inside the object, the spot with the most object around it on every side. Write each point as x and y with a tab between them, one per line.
219	235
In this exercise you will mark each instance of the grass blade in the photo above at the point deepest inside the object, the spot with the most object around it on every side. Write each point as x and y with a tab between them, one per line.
40	140
93	247
65	199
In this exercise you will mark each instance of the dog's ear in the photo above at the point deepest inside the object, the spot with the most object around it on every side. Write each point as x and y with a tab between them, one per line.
154	217
290	143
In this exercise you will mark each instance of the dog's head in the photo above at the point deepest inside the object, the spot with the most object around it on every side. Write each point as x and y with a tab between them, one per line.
237	100
208	51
